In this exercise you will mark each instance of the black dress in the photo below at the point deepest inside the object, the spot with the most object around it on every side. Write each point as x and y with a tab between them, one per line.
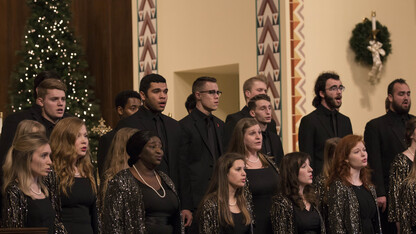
40	213
239	226
160	213
368	209
79	211
307	221
263	185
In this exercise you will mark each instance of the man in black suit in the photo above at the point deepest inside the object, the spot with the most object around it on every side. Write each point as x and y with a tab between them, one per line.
325	122
203	133
127	102
48	109
154	94
261	109
385	138
251	87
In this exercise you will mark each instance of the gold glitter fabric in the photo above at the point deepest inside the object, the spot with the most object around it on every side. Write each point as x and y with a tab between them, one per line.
208	222
399	170
124	211
321	192
407	204
15	205
344	209
283	221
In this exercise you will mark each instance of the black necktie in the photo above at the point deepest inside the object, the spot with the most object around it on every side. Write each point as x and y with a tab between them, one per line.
211	136
334	122
160	131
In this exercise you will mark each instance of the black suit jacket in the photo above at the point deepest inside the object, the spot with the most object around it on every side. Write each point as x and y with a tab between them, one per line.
103	147
143	120
383	142
315	129
277	148
232	120
197	163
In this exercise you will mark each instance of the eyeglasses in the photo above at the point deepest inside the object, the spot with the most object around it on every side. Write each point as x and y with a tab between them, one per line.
335	88
212	92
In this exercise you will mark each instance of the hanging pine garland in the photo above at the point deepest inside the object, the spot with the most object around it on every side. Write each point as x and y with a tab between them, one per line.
362	34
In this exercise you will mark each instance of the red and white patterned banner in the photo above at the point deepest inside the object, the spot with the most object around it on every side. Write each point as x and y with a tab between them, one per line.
147	30
268	51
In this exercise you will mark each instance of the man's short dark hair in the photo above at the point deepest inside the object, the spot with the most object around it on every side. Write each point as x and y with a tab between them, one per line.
198	83
391	85
320	85
48	84
190	103
147	79
123	97
42	76
252	102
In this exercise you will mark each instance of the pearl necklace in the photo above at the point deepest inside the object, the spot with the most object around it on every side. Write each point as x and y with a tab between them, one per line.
164	192
253	161
37	193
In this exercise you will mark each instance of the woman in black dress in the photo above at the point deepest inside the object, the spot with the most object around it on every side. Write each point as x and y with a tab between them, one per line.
27	199
141	199
295	208
225	208
352	206
76	183
247	140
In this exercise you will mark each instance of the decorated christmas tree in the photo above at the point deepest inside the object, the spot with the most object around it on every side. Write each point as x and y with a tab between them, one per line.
49	44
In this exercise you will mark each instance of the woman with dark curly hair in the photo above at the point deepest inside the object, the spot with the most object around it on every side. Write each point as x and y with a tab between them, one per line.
352	202
225	207
294	209
399	170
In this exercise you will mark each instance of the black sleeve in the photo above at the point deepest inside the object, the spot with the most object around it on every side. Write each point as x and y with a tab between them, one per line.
229	126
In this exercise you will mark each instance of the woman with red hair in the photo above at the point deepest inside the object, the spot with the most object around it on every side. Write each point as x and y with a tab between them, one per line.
352	202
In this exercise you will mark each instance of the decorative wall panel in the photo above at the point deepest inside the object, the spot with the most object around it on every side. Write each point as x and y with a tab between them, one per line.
147	30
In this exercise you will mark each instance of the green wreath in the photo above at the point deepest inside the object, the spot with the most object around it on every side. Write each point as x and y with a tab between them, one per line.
362	34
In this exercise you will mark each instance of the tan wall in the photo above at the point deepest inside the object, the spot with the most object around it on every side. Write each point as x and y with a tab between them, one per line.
328	26
205	34
195	35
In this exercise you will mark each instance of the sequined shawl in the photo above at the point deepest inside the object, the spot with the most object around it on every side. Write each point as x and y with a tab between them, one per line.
399	170
15	206
407	204
344	209
124	210
209	218
282	215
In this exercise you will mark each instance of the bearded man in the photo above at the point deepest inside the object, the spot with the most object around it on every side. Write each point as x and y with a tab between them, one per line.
385	138
325	122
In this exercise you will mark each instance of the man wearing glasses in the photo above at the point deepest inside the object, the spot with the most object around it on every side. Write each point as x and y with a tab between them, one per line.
325	122
203	136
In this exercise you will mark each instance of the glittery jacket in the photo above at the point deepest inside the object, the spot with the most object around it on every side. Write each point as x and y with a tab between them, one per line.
399	170
407	204
124	210
283	220
208	221
321	192
344	209
15	205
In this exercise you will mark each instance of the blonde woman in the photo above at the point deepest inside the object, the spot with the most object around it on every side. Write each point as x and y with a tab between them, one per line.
76	183
27	200
116	159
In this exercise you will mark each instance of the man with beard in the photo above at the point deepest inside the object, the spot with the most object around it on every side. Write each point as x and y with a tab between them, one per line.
325	122
261	109
154	94
385	138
